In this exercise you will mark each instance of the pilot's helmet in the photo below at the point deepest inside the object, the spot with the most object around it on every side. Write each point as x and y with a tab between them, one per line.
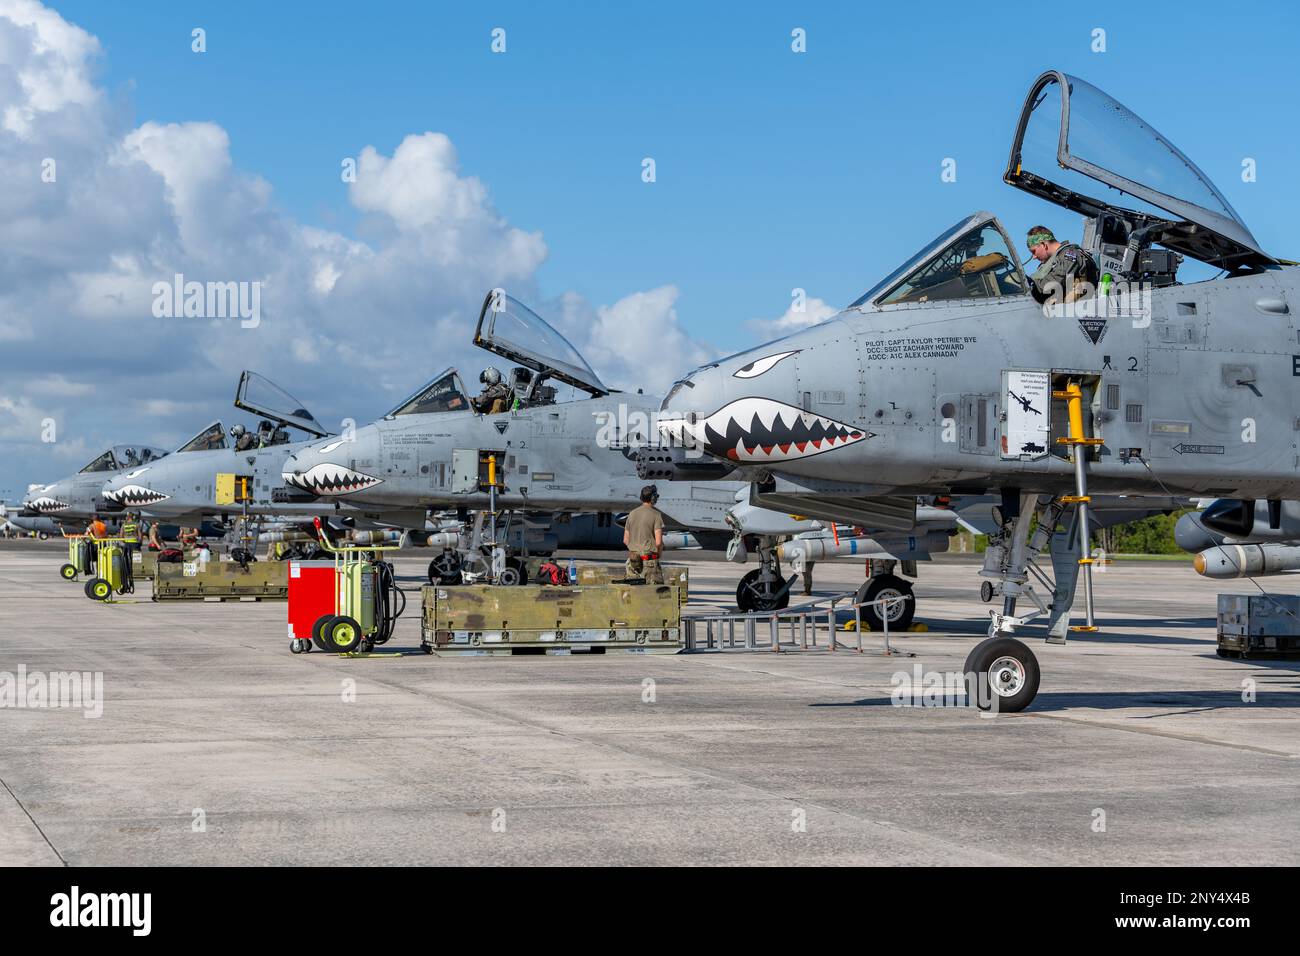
238	431
490	376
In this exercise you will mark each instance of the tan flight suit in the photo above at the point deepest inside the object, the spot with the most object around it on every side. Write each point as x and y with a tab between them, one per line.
643	557
494	400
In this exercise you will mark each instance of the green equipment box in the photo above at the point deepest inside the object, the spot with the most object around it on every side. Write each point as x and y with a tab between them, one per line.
221	581
594	574
495	620
146	563
1259	625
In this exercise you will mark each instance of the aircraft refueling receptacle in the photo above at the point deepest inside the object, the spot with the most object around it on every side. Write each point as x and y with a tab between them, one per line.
1053	403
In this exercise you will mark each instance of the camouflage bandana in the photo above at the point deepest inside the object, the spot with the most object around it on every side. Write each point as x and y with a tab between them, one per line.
1036	237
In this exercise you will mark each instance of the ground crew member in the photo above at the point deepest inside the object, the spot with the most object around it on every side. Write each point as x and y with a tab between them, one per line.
155	541
495	397
189	537
643	535
97	528
1067	273
131	531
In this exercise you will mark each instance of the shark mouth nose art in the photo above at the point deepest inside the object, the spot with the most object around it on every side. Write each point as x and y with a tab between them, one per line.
136	495
762	430
327	479
46	505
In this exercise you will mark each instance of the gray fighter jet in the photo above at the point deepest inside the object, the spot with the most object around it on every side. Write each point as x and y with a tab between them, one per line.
236	472
73	501
949	376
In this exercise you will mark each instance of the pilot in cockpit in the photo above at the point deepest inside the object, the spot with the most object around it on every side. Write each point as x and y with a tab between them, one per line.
495	397
1067	273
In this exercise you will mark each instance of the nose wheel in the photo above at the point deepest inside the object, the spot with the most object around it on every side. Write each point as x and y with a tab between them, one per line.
445	568
754	593
1006	673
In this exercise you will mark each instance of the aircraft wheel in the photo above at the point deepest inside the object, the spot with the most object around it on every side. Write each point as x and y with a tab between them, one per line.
1007	674
753	595
882	586
97	589
445	568
513	573
69	572
986	592
43	535
342	634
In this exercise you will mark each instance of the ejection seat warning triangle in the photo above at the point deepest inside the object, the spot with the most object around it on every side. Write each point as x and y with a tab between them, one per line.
1094	330
1027	397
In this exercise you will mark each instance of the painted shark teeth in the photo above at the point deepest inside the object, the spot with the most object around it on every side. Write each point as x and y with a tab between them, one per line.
758	430
47	505
330	479
136	495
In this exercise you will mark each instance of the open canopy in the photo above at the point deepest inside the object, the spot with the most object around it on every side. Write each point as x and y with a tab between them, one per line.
261	396
1073	143
508	327
124	456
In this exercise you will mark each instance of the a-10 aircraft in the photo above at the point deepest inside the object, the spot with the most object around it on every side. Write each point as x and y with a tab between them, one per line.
949	377
73	501
227	473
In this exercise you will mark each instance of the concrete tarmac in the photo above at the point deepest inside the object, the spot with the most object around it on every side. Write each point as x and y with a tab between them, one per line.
217	746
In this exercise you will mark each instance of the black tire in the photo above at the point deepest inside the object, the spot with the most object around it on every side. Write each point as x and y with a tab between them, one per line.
445	568
43	536
1016	667
68	572
97	589
342	635
887	585
427	648
514	573
295	646
750	597
986	591
316	629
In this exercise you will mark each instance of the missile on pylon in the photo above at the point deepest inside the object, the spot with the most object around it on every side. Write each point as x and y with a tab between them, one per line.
1247	560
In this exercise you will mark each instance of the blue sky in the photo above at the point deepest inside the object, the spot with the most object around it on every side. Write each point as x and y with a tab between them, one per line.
775	170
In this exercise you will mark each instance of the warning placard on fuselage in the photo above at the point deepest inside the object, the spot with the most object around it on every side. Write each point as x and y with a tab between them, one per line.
1028	401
